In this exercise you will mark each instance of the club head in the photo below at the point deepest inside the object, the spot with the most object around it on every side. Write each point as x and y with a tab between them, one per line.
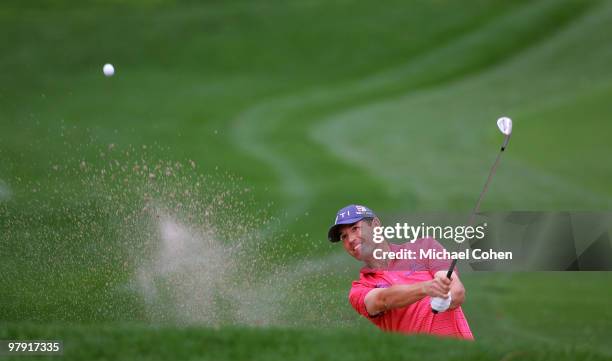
505	125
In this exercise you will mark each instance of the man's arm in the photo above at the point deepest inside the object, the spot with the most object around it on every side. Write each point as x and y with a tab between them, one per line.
456	288
382	299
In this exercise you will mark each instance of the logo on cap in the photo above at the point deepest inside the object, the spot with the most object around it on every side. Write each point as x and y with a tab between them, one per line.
347	215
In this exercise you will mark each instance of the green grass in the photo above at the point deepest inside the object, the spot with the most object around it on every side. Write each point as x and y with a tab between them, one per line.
516	316
128	341
299	108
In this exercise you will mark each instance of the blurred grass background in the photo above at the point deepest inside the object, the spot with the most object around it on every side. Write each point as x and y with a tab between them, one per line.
311	105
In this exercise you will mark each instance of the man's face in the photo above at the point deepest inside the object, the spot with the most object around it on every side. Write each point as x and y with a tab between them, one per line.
357	239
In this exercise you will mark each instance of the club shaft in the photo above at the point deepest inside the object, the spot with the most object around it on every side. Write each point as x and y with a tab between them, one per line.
480	198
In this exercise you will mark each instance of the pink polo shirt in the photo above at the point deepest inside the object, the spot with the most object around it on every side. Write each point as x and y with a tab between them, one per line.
417	317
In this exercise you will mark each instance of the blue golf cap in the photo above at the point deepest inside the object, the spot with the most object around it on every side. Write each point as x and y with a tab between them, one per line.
348	215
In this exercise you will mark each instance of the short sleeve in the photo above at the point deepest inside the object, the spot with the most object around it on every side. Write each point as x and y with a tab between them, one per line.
357	297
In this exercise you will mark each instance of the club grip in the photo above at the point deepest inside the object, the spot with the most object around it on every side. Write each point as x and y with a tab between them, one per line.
451	269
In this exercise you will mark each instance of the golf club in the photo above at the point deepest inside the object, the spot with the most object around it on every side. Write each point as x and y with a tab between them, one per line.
505	126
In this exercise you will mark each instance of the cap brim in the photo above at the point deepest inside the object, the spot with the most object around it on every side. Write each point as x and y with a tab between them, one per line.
334	231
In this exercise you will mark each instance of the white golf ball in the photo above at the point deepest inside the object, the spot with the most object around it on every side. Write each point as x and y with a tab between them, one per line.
108	69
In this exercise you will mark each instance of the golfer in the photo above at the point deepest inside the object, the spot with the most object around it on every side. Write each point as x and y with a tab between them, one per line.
395	294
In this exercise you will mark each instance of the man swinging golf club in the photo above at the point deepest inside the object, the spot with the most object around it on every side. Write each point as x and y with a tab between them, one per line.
396	295
400	295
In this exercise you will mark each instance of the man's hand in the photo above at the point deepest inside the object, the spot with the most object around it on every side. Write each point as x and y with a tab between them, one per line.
382	299
438	287
441	304
456	288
